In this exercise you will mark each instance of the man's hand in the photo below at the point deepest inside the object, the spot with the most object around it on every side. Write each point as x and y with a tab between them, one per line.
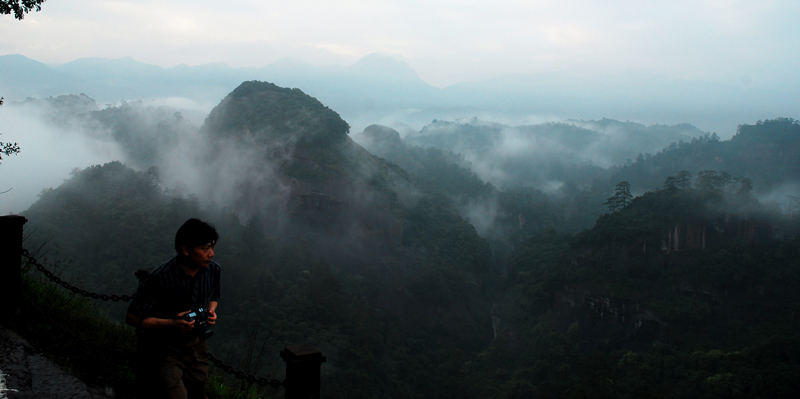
212	313
212	317
182	324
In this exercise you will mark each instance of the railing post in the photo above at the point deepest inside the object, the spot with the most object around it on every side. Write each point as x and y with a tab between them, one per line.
11	258
303	364
141	274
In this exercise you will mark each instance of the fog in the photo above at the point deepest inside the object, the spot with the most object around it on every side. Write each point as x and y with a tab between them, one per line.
557	157
57	137
48	154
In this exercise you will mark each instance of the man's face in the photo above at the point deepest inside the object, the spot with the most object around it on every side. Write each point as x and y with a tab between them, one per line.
200	255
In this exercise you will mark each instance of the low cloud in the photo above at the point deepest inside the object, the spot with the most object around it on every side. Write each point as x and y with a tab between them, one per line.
48	154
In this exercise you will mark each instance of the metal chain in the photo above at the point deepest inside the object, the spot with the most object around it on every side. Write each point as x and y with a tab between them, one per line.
242	376
125	298
79	291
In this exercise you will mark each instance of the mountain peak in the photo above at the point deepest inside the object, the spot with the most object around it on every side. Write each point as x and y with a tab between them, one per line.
376	64
271	113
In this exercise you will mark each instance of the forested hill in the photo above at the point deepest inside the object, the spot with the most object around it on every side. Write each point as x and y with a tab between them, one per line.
683	293
274	114
419	277
767	153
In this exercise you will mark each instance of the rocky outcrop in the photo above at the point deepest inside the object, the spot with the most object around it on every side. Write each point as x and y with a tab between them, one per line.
699	234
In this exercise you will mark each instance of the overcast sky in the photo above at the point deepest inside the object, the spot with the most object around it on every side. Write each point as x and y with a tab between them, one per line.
445	41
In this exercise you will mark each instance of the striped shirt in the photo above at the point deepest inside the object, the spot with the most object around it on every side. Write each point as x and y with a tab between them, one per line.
168	290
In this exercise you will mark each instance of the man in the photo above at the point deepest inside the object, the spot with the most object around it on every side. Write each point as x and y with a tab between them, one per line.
172	356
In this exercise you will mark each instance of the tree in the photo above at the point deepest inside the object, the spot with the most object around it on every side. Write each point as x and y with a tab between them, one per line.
623	191
683	179
725	179
7	148
670	182
20	7
622	197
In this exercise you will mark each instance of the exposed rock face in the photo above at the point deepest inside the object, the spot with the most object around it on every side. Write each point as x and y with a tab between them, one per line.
699	234
616	320
25	374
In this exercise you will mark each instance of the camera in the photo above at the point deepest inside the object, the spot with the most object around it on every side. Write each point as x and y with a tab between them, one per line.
201	327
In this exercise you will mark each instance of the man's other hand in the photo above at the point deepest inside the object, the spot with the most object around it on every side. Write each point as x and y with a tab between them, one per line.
212	317
182	324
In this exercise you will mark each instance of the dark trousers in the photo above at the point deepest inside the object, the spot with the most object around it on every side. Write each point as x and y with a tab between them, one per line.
172	371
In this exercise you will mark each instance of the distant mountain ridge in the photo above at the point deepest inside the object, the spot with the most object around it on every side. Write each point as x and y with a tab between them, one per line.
378	87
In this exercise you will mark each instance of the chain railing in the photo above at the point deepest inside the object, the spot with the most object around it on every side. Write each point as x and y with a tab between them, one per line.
68	286
302	362
228	369
239	374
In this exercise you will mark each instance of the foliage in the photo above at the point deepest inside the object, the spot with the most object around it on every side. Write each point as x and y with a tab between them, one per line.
20	7
764	153
538	265
648	218
706	337
446	238
445	172
7	148
622	197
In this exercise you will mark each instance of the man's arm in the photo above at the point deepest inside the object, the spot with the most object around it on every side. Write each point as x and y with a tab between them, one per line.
149	323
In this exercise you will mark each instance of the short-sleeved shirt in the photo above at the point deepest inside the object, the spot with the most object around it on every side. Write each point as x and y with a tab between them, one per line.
168	290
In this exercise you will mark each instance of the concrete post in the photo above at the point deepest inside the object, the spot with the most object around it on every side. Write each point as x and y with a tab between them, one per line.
303	364
11	258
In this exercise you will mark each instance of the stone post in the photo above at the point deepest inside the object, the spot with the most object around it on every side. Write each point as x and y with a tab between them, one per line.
11	258
303	364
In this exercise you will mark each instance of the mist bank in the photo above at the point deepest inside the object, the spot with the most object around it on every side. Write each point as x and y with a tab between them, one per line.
379	89
563	161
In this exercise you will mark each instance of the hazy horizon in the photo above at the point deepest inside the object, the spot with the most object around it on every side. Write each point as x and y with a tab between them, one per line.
733	42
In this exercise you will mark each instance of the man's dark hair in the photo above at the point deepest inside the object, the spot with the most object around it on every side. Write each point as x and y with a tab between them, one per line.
193	233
